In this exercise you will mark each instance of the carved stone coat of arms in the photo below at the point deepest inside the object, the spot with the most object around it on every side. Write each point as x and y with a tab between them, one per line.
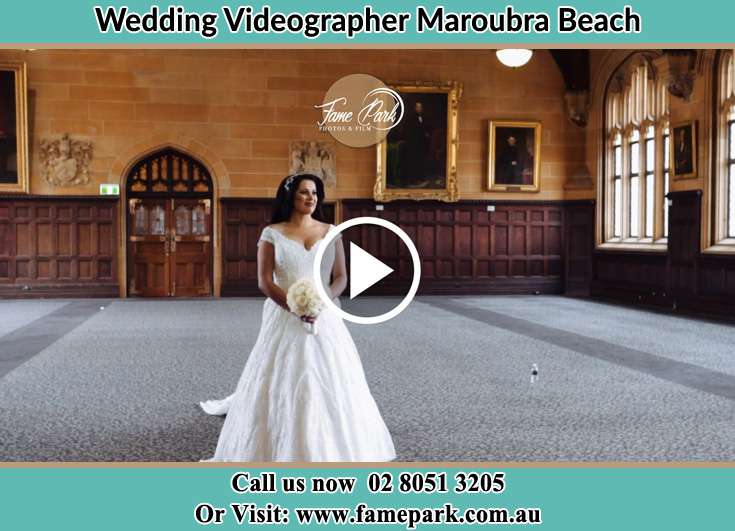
65	162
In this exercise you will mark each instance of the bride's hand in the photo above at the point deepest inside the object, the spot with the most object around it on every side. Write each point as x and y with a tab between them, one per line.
308	318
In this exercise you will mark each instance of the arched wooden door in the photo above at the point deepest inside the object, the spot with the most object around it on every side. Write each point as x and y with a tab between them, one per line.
169	227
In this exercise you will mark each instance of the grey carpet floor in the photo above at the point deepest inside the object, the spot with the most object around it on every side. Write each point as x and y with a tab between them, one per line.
451	377
24	342
19	313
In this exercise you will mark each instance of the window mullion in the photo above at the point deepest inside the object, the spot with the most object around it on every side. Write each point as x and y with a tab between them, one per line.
730	182
658	172
665	179
625	188
609	213
613	197
649	183
642	178
722	189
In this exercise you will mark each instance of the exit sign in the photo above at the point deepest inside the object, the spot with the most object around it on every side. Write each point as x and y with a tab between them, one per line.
109	189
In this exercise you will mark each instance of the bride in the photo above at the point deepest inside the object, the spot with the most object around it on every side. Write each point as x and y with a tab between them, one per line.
301	396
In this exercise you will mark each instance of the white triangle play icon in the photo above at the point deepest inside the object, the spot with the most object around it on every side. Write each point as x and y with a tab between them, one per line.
365	270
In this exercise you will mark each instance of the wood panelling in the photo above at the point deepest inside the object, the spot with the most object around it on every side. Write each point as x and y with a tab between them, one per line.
630	277
683	279
580	239
464	248
716	285
51	246
684	244
700	283
242	222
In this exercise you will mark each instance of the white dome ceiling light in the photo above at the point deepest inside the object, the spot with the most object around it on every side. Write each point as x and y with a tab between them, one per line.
514	57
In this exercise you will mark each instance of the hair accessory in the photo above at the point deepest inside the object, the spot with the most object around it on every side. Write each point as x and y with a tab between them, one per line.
289	181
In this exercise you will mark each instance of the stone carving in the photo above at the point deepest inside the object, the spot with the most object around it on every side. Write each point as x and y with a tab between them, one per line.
680	82
577	104
311	156
65	162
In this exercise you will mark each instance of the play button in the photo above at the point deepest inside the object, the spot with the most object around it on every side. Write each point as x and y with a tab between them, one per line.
366	270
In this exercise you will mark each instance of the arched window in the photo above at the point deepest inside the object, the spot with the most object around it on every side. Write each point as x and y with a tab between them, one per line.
637	162
724	189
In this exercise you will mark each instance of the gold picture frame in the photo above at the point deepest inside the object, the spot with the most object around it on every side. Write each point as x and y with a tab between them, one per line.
683	150
13	121
402	171
514	156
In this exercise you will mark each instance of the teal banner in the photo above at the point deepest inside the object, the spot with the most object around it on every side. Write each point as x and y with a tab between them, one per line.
554	498
472	22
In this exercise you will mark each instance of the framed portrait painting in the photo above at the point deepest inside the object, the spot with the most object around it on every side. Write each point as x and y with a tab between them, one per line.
514	156
418	157
683	150
13	128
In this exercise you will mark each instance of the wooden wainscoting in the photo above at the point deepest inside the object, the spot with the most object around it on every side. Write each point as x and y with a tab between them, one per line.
684	246
715	286
517	248
681	279
700	283
630	277
58	247
464	248
580	241
242	222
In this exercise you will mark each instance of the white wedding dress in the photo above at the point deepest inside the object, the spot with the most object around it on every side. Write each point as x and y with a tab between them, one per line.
301	397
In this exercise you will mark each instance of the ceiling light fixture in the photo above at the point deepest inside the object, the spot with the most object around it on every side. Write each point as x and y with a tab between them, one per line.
514	57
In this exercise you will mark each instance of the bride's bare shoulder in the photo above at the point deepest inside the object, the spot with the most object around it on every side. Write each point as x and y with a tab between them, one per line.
324	227
276	226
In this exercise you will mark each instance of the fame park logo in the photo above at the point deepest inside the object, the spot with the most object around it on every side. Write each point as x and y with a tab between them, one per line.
358	110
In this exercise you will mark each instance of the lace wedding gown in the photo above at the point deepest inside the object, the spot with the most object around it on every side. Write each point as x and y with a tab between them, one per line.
301	397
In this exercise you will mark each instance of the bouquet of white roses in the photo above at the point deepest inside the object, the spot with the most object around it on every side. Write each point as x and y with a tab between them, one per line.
303	300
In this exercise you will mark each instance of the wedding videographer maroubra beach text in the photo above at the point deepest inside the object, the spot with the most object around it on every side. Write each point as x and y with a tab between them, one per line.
312	25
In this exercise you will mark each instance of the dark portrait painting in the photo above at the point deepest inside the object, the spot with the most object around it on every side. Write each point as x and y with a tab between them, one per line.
418	158
8	139
684	150
417	146
514	155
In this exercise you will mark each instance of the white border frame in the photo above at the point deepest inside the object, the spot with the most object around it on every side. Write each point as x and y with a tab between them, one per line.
367	220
